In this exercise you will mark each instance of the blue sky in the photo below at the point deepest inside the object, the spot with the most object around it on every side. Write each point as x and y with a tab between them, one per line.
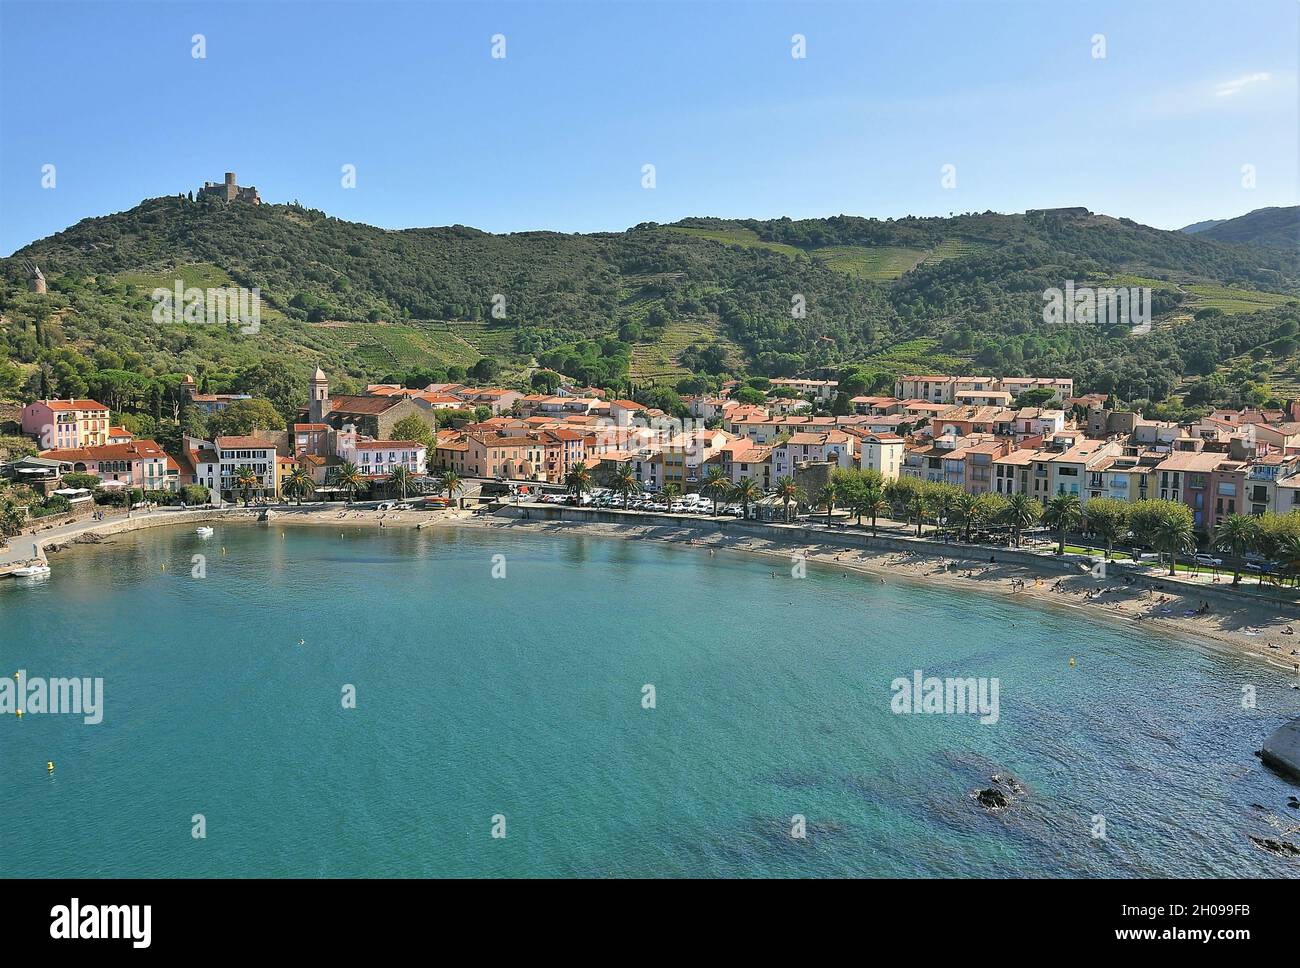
555	135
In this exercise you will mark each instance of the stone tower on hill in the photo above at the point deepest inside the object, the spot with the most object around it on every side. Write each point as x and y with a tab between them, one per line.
228	191
35	278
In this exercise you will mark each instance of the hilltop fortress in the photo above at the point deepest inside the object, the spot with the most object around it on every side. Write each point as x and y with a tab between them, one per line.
228	191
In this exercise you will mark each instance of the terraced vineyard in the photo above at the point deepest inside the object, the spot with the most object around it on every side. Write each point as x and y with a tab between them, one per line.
495	339
745	238
917	355
953	249
657	362
395	345
878	263
202	275
1233	301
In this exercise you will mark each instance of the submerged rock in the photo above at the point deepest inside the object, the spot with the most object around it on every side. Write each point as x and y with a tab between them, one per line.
1282	748
991	798
1005	791
1280	847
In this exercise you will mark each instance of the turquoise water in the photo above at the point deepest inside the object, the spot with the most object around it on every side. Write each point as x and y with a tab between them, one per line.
522	697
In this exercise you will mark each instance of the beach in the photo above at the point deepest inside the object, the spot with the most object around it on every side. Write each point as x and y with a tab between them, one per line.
1252	628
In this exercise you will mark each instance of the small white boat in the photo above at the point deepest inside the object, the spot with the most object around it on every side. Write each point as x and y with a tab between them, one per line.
32	571
205	532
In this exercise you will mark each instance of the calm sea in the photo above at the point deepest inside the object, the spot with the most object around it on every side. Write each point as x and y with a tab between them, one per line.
521	697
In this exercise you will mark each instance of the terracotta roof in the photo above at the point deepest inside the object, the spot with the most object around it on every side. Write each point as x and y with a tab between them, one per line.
387	444
135	450
364	405
73	404
248	443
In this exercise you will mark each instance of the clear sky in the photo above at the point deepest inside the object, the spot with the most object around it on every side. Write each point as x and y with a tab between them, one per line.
554	136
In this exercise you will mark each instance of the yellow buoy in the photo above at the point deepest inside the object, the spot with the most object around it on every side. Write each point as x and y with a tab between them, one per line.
18	713
1071	662
163	568
50	766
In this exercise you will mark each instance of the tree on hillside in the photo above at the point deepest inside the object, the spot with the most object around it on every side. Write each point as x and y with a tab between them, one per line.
243	417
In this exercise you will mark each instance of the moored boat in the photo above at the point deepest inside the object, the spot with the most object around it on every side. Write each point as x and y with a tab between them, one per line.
204	531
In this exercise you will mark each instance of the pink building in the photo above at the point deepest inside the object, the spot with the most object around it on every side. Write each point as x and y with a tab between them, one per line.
67	423
140	463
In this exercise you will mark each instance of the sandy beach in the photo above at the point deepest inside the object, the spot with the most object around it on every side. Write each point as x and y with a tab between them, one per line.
1248	628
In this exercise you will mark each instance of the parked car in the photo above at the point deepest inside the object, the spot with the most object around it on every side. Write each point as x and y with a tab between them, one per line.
1208	561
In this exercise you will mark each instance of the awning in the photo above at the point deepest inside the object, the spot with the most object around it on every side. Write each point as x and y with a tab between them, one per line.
108	484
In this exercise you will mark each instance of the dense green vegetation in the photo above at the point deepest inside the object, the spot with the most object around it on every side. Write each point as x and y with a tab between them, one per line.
682	306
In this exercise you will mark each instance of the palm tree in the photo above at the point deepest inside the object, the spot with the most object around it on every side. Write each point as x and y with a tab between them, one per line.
626	484
450	482
245	481
1174	534
917	508
715	486
297	484
1286	551
1064	512
965	511
670	492
578	481
874	505
787	490
1236	535
746	491
351	480
1021	511
398	478
826	497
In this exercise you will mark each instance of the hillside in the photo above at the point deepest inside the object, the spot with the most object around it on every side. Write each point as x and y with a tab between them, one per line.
1264	226
695	301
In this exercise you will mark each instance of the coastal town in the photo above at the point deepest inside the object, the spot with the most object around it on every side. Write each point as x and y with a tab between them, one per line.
972	433
1011	484
973	457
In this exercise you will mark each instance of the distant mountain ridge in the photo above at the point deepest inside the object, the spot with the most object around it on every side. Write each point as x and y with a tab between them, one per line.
1277	226
1196	227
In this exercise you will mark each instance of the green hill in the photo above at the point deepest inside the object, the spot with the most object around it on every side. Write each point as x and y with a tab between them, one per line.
654	304
1264	226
